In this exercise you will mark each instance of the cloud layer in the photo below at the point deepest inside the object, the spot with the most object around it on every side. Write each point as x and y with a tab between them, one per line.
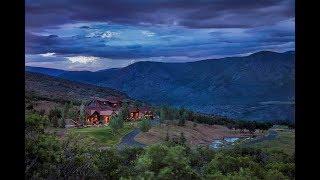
120	32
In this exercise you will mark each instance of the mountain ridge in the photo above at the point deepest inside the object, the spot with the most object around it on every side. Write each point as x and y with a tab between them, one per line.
231	86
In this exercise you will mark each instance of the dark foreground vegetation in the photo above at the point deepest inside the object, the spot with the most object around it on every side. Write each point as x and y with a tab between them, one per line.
73	156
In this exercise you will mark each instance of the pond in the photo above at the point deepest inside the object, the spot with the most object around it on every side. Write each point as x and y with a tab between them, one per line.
219	143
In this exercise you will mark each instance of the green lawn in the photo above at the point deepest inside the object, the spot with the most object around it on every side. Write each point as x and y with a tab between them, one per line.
284	141
103	135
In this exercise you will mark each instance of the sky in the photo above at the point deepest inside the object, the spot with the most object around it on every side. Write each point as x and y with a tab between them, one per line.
101	34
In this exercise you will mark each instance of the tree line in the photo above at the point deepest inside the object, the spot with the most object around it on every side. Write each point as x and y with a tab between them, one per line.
181	115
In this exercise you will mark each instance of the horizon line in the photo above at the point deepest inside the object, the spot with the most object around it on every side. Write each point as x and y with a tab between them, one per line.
246	55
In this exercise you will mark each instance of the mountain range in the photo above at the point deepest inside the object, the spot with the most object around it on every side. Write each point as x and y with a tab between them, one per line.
255	87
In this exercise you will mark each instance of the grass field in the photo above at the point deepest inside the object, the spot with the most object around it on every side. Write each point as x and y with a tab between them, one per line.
103	135
284	141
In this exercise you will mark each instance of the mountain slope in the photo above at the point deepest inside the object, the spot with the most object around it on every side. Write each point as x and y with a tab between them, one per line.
47	71
255	87
55	88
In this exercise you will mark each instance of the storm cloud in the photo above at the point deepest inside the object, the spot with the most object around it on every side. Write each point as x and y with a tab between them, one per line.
163	30
193	14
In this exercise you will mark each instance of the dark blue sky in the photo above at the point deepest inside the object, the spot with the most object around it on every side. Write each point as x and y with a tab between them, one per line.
100	34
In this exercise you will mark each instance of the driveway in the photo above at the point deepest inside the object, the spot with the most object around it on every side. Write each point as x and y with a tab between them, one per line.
128	139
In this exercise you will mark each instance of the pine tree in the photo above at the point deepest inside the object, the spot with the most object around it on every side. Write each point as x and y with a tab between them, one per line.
163	114
167	137
81	114
65	111
182	139
116	123
125	112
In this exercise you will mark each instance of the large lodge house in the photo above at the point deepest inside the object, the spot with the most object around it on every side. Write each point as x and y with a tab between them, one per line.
100	110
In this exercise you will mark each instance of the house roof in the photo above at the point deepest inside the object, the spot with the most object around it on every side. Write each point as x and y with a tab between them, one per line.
98	105
144	109
113	99
91	111
107	112
133	109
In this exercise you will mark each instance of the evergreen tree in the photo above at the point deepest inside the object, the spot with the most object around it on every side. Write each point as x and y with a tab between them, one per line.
61	123
183	117
81	114
164	114
125	112
116	123
54	116
182	139
65	110
144	125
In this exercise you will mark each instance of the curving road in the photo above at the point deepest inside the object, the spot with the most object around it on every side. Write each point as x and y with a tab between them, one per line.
128	139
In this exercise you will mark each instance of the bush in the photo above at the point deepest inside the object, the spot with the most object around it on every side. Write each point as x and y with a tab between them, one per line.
116	123
275	174
124	112
36	122
73	113
42	156
166	162
108	163
61	123
54	116
78	157
144	125
82	114
194	124
182	139
183	117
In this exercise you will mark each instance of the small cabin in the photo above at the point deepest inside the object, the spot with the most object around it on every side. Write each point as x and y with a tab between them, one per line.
115	102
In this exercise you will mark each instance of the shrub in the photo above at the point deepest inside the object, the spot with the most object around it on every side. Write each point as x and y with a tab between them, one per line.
274	174
82	114
166	162
144	125
182	139
36	122
124	112
61	123
116	123
42	156
54	116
